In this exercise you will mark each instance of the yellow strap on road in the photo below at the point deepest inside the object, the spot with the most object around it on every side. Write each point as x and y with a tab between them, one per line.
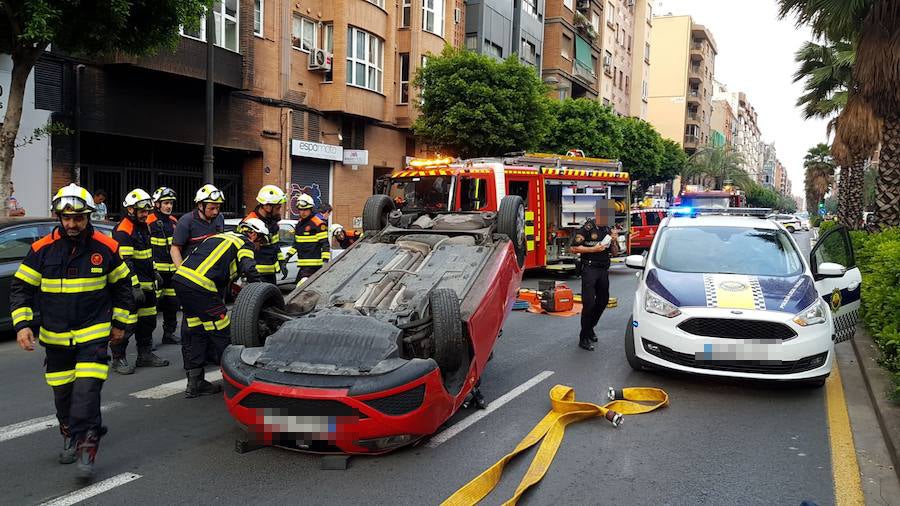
565	410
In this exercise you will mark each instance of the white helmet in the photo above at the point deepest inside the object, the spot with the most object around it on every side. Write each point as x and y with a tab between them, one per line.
271	194
138	199
304	201
209	193
334	229
254	225
72	199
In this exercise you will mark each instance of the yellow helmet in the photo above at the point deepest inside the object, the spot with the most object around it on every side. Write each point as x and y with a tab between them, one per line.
138	199
271	194
209	193
72	199
304	201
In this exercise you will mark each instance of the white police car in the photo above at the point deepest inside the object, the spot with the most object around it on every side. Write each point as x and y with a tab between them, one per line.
730	295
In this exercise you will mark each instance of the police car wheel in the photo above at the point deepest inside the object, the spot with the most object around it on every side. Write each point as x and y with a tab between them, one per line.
375	213
635	363
511	222
446	329
247	328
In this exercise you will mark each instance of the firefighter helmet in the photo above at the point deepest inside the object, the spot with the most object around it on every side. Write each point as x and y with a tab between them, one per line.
254	225
163	193
304	201
271	194
335	229
72	199
138	199
209	193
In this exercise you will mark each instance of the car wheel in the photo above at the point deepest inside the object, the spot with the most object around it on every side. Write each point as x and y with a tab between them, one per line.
790	229
446	329
511	222
247	327
635	363
375	213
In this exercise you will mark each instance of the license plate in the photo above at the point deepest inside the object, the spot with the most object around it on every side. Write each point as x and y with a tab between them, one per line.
301	424
758	350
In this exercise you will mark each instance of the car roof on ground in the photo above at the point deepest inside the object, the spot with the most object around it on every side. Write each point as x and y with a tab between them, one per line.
722	221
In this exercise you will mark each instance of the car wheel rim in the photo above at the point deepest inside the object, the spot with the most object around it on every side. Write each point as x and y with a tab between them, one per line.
520	225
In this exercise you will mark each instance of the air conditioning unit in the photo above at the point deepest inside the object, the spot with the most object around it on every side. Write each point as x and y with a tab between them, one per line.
319	60
457	15
583	5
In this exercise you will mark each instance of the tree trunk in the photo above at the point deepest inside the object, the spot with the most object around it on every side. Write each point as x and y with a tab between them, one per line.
23	61
850	198
887	182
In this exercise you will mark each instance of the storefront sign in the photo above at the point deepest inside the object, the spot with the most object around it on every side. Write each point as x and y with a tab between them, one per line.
356	157
317	150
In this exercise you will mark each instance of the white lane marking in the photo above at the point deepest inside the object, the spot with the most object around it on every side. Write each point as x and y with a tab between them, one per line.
92	490
465	423
38	424
172	388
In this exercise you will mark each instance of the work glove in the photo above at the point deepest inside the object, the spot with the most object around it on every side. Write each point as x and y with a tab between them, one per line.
159	280
284	270
139	298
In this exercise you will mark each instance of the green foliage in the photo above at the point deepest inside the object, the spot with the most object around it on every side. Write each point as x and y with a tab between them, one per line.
814	220
759	196
720	163
642	151
51	128
585	124
673	162
786	204
473	105
825	226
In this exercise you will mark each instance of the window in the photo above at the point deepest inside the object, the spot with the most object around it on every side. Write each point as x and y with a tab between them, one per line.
519	188
379	3
627	83
404	78
653	218
610	13
530	6
493	49
473	193
568	4
618	34
607	62
225	18
472	42
606	102
564	51
328	45
365	60
528	52
433	16
621	80
748	251
615	73
406	14
644	90
15	243
629	44
595	21
647	52
258	17
303	35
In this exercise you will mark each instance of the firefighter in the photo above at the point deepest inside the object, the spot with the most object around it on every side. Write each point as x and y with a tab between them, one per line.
201	282
162	230
310	240
133	236
343	239
269	258
85	303
201	223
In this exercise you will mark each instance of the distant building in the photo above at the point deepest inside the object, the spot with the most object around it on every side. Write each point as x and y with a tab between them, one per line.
500	28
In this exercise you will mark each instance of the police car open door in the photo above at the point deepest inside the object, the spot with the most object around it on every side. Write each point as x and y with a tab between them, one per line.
838	280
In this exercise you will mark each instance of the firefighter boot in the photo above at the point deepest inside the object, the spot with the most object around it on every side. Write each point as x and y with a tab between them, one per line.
197	386
169	337
67	455
120	365
86	453
146	358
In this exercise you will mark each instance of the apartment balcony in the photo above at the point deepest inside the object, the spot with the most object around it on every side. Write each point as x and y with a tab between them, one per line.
698	51
691	141
188	60
693	118
584	72
695	73
694	96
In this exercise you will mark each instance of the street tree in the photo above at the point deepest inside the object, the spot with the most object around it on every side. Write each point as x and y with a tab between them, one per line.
721	164
584	124
472	105
759	196
672	164
82	28
818	175
642	151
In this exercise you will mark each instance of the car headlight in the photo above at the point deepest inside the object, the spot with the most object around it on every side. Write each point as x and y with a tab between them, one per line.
813	315
655	304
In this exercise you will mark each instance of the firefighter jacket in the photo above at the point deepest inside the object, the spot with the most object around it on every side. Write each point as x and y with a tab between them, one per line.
269	256
134	248
84	288
218	261
162	230
350	237
311	242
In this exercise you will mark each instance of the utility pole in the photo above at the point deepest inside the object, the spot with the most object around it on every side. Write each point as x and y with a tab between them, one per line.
208	157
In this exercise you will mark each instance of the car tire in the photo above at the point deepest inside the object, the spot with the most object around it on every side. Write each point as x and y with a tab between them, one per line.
446	329
246	327
511	222
375	213
635	363
790	229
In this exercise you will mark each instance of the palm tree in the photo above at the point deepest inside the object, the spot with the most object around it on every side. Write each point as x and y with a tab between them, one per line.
819	175
874	25
720	164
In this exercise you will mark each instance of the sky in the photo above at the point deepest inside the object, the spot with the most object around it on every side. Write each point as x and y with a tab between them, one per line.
756	56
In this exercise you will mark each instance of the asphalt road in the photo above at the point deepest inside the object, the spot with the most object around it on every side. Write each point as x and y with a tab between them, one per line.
719	442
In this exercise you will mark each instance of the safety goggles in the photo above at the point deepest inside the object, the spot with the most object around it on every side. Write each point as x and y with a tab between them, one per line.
215	196
143	205
71	205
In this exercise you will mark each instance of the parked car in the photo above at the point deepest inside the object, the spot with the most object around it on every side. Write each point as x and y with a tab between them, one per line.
286	238
16	237
789	222
804	221
644	224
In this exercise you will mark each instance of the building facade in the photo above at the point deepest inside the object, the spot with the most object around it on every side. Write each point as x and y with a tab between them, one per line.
747	136
724	121
573	45
618	48
640	59
500	28
681	80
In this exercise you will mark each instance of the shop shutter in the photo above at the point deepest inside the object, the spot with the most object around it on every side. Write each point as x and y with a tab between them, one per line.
310	176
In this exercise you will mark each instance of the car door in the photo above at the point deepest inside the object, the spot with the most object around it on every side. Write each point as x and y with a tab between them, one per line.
14	245
286	240
842	294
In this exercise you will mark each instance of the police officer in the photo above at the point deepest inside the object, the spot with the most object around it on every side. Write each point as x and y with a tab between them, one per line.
310	240
588	242
133	236
343	239
85	303
201	282
162	230
269	258
203	222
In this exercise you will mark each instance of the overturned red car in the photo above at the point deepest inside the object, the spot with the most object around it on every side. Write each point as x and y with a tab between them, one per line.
380	348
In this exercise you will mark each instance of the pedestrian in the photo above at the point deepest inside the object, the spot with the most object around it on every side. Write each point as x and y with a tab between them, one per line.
594	242
133	236
99	205
85	303
310	240
203	222
13	208
269	258
162	230
201	283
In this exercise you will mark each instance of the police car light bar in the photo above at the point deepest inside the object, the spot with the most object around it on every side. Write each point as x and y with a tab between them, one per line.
759	212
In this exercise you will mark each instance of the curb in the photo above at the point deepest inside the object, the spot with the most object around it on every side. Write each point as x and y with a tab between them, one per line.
878	383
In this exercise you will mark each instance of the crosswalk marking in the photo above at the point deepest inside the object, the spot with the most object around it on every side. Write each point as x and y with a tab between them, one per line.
86	493
38	424
172	388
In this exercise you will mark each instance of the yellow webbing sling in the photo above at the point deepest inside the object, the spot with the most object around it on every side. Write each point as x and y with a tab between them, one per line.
565	410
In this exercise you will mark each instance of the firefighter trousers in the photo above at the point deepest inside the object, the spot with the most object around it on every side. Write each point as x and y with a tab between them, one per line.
168	302
76	374
143	329
306	272
594	297
205	326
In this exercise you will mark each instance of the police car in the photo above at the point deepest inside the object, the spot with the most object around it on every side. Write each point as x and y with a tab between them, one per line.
731	295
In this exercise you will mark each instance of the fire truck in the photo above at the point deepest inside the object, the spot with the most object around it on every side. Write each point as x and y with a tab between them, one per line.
698	196
559	193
